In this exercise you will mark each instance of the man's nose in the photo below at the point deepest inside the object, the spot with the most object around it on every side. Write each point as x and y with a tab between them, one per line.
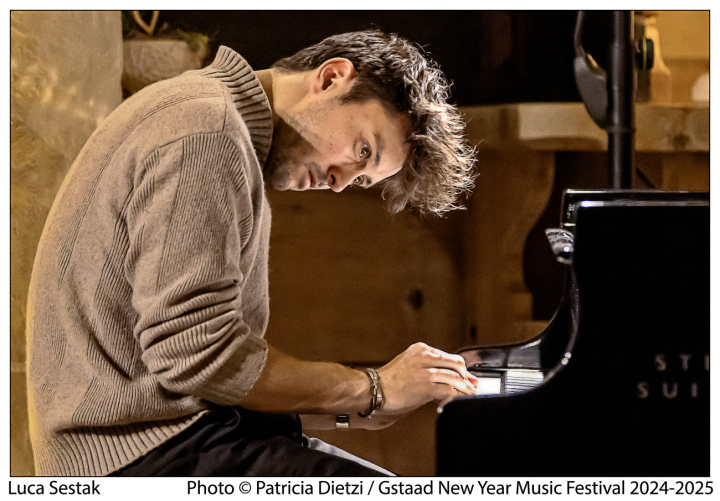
338	178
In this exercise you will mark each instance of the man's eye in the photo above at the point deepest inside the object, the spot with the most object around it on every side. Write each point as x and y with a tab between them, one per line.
358	180
365	151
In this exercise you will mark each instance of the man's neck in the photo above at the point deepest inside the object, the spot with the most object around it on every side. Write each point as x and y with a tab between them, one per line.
266	80
284	90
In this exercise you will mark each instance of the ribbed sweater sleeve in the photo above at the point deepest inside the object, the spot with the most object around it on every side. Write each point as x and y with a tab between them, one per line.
188	222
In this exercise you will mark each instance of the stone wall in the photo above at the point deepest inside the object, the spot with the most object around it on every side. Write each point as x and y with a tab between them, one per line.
65	79
685	41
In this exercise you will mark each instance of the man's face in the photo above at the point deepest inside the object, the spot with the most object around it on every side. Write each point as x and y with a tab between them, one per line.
328	145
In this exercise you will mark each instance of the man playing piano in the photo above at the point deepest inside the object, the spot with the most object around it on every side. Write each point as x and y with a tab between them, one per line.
149	296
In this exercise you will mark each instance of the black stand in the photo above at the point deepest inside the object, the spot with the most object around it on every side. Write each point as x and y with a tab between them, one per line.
621	90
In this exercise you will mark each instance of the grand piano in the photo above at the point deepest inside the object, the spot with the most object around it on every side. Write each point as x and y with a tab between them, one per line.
618	384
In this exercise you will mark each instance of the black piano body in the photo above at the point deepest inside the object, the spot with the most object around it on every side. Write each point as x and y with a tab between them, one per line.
618	384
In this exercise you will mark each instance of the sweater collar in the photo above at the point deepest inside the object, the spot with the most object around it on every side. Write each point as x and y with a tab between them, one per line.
248	96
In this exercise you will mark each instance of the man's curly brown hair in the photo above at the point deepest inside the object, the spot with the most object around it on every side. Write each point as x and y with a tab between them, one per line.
439	167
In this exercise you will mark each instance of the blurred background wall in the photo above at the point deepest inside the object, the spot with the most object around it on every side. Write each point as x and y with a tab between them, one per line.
348	282
65	70
490	56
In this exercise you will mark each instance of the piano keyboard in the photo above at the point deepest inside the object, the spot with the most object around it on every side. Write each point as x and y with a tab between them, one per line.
507	381
521	380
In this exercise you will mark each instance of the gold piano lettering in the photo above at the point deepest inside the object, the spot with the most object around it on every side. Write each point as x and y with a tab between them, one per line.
668	390
660	363
669	394
685	361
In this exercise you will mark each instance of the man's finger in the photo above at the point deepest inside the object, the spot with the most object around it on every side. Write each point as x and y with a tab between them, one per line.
452	379
449	361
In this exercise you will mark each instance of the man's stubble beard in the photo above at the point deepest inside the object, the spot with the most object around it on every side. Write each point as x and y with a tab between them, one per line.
285	154
278	169
290	149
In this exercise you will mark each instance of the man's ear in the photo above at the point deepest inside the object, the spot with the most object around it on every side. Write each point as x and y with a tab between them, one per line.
335	75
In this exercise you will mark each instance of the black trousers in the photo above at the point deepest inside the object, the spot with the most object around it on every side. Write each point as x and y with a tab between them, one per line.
231	441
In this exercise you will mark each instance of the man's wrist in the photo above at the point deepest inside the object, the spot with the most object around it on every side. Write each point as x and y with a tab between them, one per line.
376	394
365	398
357	395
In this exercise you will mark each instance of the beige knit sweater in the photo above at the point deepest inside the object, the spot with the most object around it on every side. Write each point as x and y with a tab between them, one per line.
149	295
